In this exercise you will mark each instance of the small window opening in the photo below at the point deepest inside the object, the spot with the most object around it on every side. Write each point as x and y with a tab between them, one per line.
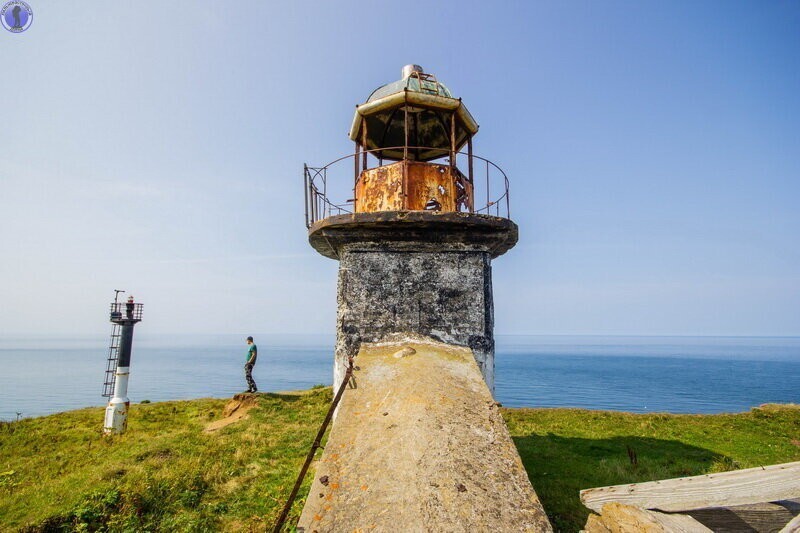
433	205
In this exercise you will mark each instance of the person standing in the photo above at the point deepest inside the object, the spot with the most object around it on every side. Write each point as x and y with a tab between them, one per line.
250	361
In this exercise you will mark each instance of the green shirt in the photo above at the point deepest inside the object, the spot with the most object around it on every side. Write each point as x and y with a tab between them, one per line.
252	352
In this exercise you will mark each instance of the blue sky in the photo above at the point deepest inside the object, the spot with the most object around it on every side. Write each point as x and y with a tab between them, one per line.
653	150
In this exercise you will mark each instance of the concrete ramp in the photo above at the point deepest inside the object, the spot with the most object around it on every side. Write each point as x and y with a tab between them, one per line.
419	445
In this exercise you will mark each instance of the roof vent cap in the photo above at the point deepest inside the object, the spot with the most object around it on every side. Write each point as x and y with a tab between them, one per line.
408	69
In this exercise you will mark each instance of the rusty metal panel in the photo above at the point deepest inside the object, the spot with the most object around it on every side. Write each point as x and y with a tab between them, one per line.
380	189
429	187
465	191
407	185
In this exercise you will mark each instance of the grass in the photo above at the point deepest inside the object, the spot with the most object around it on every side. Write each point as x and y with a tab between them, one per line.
566	450
58	473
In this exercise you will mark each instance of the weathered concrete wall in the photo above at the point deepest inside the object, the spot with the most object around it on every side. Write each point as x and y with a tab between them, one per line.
440	291
419	445
491	234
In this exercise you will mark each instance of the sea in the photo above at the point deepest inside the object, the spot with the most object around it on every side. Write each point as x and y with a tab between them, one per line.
636	374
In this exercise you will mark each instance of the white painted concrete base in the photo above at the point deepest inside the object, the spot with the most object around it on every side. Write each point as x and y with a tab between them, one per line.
116	419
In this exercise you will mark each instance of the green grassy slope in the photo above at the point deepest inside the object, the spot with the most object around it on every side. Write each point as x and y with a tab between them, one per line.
566	450
165	473
59	473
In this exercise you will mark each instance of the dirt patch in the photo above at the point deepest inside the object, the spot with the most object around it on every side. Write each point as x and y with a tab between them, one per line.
772	407
235	410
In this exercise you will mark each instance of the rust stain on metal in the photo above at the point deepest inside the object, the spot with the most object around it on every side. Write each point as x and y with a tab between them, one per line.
430	187
409	186
380	189
465	192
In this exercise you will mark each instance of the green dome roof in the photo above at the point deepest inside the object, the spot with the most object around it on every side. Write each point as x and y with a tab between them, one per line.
379	123
412	83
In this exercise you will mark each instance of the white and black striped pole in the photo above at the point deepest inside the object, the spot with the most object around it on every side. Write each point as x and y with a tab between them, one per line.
126	315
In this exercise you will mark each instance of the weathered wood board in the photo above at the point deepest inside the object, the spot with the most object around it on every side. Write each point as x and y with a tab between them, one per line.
793	526
740	487
759	516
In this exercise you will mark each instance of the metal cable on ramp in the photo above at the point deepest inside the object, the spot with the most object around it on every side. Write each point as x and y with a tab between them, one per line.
314	447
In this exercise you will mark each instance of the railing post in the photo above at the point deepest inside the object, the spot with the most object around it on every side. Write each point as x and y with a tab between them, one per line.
404	183
355	166
316	202
470	175
305	192
488	205
364	152
508	199
313	204
452	143
325	193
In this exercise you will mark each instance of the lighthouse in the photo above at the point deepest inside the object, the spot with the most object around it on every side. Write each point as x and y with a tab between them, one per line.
415	219
420	222
124	316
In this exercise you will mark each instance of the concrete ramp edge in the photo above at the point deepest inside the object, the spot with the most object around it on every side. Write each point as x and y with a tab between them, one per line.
419	445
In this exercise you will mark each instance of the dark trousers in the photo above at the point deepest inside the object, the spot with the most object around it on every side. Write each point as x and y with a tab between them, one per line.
248	375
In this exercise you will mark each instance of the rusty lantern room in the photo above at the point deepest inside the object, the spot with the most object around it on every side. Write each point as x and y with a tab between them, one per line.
414	219
405	125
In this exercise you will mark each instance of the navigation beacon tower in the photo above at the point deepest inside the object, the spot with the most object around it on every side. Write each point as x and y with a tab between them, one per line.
416	226
124	316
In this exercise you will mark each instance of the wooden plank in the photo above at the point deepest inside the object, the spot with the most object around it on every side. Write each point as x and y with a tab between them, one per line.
793	526
740	487
758	516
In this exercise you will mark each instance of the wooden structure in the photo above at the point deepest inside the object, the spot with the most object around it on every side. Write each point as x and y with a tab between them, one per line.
756	499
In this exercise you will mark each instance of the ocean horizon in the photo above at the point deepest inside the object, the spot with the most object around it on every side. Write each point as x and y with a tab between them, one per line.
638	374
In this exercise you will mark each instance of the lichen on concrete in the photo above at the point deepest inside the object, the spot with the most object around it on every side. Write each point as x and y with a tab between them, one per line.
443	292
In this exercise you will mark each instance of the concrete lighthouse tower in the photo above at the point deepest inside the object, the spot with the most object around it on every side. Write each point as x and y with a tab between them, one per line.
415	219
424	219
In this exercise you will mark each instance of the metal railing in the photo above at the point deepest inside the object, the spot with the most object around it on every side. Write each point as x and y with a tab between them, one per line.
323	183
125	311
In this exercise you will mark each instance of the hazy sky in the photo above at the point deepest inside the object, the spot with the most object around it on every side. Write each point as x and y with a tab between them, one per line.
653	150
